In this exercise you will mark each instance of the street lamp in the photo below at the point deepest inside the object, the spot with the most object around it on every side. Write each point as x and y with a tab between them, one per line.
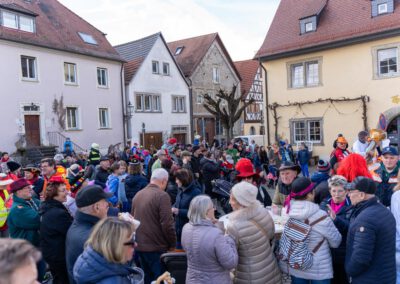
129	110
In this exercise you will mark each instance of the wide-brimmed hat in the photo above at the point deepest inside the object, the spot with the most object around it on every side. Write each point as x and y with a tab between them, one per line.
19	184
245	193
287	165
245	168
13	166
5	179
31	168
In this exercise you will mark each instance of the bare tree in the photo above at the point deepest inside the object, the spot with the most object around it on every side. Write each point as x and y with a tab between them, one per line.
60	111
230	112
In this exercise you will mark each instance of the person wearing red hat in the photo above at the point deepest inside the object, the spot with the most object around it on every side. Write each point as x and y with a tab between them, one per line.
246	172
4	204
24	219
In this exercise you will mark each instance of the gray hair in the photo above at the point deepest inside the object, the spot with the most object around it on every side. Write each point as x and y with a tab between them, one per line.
337	180
198	208
159	175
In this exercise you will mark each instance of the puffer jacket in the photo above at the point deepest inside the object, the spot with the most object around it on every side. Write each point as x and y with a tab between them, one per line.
257	263
210	254
370	254
395	208
321	268
133	184
91	267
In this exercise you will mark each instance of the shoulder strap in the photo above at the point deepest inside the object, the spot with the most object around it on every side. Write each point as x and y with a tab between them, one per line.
318	220
318	246
261	228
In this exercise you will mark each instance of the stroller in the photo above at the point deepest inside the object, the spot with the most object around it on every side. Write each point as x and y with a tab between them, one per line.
176	264
222	189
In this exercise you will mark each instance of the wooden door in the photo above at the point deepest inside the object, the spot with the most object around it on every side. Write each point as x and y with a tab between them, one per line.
181	137
154	139
32	130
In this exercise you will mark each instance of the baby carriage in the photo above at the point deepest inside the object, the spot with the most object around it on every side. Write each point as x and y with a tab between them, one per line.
222	189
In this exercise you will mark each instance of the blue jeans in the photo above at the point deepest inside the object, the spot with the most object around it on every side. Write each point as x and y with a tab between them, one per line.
151	265
304	170
296	280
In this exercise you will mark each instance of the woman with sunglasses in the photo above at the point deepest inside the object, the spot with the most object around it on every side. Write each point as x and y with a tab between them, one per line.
338	206
108	253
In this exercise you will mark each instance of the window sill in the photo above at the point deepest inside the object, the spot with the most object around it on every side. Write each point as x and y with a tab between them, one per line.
380	77
31	80
71	84
105	128
178	112
305	87
103	87
146	111
74	129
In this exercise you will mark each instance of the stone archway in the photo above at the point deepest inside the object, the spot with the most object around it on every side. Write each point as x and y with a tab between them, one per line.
390	114
392	117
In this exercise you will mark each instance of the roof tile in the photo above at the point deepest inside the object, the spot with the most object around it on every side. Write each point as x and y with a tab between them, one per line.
247	70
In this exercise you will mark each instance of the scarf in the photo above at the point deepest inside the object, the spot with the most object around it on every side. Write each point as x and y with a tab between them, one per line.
296	194
336	207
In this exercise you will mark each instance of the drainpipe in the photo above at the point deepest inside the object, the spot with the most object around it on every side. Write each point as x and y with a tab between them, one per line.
266	101
124	117
191	110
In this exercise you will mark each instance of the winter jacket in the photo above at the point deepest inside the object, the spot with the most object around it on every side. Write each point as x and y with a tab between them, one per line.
92	268
210	253
337	156
112	185
133	184
152	207
37	185
303	156
54	226
94	157
321	191
77	235
395	208
371	243
101	177
385	182
257	263
209	171
172	189
341	222
281	192
183	199
321	268
24	220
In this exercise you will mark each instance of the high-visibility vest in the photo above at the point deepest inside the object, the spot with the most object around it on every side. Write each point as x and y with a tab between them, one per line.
3	208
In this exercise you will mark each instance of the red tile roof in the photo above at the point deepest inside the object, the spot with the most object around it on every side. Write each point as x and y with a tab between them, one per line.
194	50
57	27
247	70
340	23
131	68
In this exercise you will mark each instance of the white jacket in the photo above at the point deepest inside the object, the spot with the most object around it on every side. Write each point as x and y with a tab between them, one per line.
395	208
325	229
360	148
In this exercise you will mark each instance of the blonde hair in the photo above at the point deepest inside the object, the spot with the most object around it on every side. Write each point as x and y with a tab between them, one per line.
108	236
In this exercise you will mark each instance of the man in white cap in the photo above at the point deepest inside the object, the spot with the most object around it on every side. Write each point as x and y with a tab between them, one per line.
4	198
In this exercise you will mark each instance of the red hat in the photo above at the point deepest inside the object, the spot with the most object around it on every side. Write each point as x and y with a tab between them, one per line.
56	179
19	184
172	141
245	168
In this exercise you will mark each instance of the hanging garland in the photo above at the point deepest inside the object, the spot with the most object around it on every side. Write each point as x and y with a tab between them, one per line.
364	100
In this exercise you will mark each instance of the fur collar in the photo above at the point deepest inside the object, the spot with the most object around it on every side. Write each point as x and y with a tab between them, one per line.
246	213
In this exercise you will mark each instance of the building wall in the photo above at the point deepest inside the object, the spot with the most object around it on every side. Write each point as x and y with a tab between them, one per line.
15	92
202	80
146	82
346	72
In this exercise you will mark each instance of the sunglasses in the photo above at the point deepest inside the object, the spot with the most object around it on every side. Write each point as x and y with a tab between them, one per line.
132	242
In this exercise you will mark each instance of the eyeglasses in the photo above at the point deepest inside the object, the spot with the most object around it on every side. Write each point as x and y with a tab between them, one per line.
132	242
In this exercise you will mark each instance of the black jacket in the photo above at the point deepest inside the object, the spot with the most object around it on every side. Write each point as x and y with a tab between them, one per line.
172	189
185	195
101	177
55	222
77	235
133	184
371	244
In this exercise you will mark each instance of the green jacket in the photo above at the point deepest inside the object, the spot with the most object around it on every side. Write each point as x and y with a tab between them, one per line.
234	153
24	220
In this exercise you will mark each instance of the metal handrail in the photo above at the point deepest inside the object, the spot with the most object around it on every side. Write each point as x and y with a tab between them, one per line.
58	139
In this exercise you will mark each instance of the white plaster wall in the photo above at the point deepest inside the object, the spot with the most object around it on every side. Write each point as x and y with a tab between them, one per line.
146	82
14	91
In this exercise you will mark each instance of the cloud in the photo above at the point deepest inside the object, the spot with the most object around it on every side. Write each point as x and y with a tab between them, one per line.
241	25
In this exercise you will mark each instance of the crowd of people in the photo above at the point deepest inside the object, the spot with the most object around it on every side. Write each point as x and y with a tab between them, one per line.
93	218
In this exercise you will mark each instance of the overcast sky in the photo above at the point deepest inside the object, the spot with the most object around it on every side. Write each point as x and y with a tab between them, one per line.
242	24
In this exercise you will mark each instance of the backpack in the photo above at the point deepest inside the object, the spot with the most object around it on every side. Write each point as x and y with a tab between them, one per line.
293	245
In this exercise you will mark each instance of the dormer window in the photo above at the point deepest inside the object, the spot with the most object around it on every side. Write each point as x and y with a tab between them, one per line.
381	7
87	38
178	50
17	21
308	25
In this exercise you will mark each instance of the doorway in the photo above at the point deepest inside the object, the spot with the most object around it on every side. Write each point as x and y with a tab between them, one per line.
151	139
32	130
393	131
181	137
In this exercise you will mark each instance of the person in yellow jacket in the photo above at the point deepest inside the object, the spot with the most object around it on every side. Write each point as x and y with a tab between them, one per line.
5	204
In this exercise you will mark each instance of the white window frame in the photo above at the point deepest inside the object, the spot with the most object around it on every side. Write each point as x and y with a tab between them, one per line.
17	21
166	65
178	104
308	27
385	10
216	75
296	82
107	123
27	60
178	50
68	76
155	64
199	99
102	80
307	122
154	101
390	73
87	38
77	118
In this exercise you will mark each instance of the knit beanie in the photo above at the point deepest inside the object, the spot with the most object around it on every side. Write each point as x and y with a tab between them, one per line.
245	193
323	166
